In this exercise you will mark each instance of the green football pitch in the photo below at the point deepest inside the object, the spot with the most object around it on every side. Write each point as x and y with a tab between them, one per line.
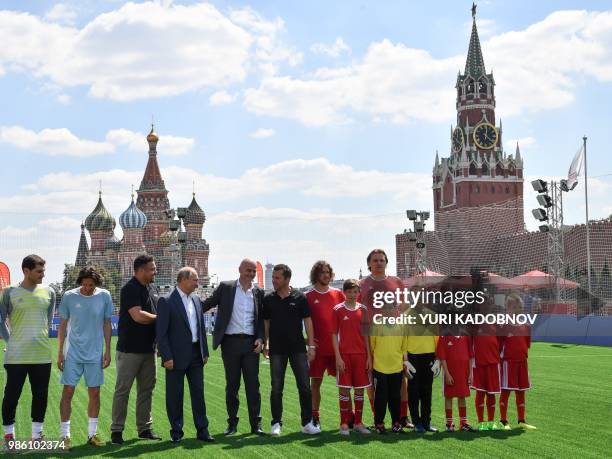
569	403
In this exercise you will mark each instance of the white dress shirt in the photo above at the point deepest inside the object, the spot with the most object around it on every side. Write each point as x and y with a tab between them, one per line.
190	309
243	314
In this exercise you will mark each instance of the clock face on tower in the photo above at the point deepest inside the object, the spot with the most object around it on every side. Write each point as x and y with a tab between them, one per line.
458	140
485	136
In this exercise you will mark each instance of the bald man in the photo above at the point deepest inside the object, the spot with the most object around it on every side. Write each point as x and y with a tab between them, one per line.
239	329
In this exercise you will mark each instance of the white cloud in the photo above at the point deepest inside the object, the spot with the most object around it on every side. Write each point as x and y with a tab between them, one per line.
270	50
315	178
137	141
55	142
262	133
333	50
536	69
52	142
391	81
221	98
59	202
118	54
62	14
524	143
64	99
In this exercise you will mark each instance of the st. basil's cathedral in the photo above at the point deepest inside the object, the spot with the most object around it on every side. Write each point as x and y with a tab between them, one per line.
148	226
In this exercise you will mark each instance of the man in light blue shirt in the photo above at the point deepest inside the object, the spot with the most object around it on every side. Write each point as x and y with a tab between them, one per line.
85	314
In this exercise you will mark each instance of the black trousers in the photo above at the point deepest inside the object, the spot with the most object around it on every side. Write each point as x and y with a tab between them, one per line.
299	366
239	359
175	382
38	374
387	394
419	388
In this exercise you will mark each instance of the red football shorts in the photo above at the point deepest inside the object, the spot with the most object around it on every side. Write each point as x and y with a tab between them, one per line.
322	363
486	378
355	374
460	371
515	375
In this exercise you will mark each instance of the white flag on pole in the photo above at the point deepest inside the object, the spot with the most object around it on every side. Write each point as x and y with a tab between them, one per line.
575	169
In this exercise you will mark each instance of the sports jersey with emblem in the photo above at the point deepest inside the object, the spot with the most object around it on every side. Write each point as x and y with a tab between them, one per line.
368	288
486	349
349	325
85	316
454	348
29	313
321	312
515	345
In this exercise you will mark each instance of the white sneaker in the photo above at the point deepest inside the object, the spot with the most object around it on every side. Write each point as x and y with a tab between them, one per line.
276	429
311	429
361	429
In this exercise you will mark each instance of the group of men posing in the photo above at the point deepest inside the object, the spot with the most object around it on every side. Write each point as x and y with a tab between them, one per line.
396	368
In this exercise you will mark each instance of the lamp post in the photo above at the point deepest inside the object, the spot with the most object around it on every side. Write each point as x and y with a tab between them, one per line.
175	225
417	235
551	215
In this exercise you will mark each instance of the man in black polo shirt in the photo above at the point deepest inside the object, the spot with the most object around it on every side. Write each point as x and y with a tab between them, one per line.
136	350
285	311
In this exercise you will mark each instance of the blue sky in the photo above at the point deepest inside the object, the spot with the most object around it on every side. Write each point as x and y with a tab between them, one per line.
312	125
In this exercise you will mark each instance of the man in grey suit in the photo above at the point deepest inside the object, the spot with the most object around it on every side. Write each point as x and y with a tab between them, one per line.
181	340
239	329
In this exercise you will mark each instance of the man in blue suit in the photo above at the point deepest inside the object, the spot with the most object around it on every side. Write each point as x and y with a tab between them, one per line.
181	340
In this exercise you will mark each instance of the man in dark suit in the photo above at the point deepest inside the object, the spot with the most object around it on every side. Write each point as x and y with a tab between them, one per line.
239	329
181	340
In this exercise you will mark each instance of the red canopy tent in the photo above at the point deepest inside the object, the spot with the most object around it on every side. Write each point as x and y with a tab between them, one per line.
540	279
425	279
502	282
5	276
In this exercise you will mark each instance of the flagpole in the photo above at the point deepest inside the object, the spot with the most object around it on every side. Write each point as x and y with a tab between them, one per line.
586	207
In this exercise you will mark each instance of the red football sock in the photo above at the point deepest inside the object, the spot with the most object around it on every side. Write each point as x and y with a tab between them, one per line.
479	402
462	415
520	404
358	408
404	409
351	414
344	408
449	416
503	405
315	413
490	407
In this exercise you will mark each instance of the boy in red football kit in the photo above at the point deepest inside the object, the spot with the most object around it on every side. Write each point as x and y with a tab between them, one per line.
321	299
352	353
514	371
486	375
455	355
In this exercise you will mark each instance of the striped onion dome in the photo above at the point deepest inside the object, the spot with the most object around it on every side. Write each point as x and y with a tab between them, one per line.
195	214
132	217
100	218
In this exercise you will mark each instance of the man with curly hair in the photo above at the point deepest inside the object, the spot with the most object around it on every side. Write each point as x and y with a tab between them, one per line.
87	310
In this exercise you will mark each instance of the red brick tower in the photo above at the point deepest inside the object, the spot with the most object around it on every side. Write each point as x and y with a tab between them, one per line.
153	201
478	173
478	189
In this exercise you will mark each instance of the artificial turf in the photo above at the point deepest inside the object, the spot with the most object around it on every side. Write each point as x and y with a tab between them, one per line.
569	403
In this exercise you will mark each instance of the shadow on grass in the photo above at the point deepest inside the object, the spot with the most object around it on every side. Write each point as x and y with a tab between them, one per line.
332	437
565	346
134	447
